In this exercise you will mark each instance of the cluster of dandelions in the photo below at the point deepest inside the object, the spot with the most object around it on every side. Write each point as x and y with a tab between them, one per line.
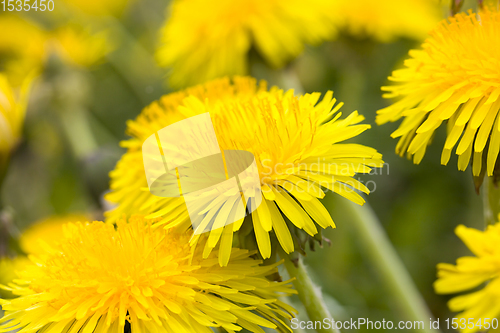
150	273
101	277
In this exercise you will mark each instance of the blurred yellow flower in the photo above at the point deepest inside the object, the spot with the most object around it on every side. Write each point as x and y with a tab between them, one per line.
455	77
12	112
386	20
21	36
471	272
26	46
80	47
203	40
100	278
98	7
297	144
22	47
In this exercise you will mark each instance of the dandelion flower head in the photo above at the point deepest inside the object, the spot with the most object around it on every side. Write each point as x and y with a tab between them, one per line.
454	78
297	143
203	40
101	278
471	272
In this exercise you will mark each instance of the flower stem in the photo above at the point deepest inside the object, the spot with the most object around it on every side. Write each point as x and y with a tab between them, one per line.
4	165
491	201
386	260
73	92
79	133
137	66
309	294
382	253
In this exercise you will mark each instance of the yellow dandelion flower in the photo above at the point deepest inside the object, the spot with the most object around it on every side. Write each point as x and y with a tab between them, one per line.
204	40
12	112
482	305
298	147
455	77
386	20
100	278
22	47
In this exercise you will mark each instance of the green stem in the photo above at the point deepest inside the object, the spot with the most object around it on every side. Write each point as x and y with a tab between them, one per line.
78	130
4	238
73	91
384	257
309	294
491	201
8	230
139	78
4	165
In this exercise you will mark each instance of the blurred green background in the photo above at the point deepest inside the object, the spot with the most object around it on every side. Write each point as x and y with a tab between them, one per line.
418	205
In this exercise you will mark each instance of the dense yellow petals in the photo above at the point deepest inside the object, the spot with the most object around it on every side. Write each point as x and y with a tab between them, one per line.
33	241
100	277
454	78
9	268
298	144
471	272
